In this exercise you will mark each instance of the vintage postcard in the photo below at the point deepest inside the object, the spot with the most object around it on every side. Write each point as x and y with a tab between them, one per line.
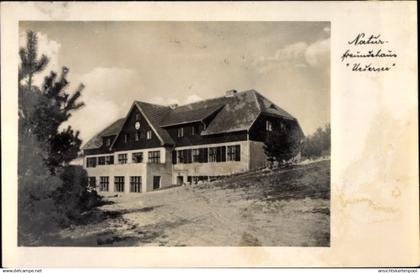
211	134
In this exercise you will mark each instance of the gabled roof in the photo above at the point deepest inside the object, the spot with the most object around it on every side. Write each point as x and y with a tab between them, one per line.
96	141
231	114
154	114
193	112
238	114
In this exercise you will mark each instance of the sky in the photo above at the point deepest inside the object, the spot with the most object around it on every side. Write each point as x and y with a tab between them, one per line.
182	62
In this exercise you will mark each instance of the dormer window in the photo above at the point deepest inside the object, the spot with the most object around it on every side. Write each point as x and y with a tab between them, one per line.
282	126
181	132
268	126
195	130
108	142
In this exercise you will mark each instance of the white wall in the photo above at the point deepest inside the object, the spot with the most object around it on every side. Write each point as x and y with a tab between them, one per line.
258	159
145	170
213	168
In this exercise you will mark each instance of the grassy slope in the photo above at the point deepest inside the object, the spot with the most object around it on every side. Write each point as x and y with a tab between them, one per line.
281	208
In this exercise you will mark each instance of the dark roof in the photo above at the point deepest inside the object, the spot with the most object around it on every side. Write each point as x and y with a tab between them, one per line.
234	113
96	141
268	107
190	113
154	114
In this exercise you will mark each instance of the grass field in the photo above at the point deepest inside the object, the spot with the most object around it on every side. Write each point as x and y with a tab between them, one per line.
288	207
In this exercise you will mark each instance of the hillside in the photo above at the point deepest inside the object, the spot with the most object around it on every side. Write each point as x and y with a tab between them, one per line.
288	207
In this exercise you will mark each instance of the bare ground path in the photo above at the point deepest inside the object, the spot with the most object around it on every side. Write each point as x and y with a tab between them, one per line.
281	208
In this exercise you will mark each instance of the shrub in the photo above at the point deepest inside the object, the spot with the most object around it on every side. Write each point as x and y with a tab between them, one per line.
282	146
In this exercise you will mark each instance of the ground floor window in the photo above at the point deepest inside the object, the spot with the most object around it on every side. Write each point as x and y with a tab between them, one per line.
104	183
234	153
179	180
156	182
92	181
119	183
135	184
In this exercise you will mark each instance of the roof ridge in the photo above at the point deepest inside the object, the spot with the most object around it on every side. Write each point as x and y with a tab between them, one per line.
154	104
256	98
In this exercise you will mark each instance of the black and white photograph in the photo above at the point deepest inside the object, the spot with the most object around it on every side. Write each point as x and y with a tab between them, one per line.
228	135
163	133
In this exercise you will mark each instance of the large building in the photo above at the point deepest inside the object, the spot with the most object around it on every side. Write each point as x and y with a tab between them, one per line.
158	146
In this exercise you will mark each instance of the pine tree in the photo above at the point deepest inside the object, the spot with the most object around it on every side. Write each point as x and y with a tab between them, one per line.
43	110
45	150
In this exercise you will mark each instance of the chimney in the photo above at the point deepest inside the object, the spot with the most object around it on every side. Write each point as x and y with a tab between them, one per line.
173	106
230	93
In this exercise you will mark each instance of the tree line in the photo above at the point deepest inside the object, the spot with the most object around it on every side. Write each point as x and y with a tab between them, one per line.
284	147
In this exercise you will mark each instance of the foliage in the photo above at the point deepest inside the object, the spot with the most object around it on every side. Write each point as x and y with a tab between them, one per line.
73	198
318	144
282	145
48	194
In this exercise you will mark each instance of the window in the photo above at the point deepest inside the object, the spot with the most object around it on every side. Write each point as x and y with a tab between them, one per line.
137	136
92	181
181	132
234	153
184	156
174	155
149	134
122	158
108	142
195	130
101	160
204	155
282	126
104	183
126	138
91	162
154	157
109	160
156	182
221	154
195	155
137	157
137	116
180	156
179	180
135	183
119	183
268	126
212	154
187	156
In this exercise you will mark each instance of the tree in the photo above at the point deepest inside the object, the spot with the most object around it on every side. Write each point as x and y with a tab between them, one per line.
282	145
318	144
42	111
45	150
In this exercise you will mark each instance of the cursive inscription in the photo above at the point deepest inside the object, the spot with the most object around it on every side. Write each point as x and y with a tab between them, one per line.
367	53
371	40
